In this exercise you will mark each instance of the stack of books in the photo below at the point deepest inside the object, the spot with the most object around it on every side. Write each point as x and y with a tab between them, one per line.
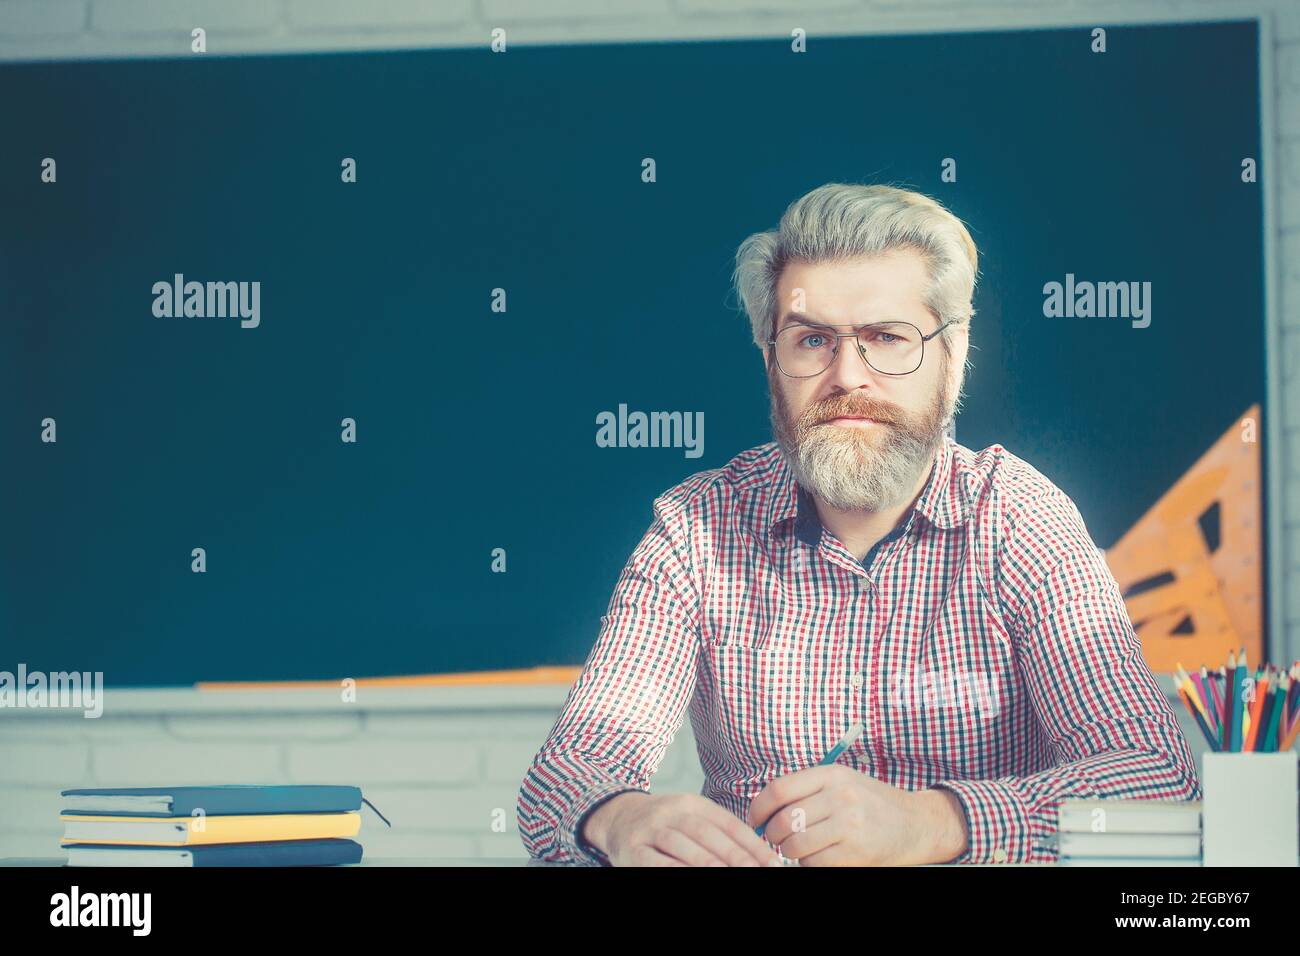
233	825
1130	833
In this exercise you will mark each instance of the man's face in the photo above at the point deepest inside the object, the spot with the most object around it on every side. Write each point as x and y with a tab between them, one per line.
860	465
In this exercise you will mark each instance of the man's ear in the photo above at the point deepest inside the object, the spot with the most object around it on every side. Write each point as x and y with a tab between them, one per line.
959	345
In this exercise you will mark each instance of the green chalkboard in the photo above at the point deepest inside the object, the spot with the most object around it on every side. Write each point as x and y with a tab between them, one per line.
476	430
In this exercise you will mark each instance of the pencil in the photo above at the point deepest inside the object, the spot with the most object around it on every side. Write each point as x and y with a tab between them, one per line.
1212	698
1289	739
1200	721
844	743
1279	712
1295	689
1291	712
1274	717
1257	709
1229	706
1282	722
1266	714
1239	702
1184	680
1220	677
1221	694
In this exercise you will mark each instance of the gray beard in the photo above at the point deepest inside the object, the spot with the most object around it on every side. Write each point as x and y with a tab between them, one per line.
853	470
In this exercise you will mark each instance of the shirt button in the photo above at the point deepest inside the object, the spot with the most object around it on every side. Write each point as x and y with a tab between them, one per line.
864	584
999	855
857	680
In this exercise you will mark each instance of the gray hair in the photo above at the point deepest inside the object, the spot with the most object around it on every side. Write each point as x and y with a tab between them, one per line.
847	220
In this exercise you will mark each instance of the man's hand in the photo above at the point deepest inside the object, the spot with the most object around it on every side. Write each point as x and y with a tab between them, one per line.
673	829
836	816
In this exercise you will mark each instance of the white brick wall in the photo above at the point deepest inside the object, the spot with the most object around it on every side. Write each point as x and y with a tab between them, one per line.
438	772
441	776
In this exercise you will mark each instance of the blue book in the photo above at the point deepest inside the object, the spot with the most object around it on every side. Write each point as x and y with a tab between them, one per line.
279	853
212	801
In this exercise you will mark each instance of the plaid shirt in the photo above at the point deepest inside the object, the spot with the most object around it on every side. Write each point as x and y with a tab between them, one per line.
984	645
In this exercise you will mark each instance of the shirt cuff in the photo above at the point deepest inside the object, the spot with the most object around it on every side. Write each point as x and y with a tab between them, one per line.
579	850
1000	830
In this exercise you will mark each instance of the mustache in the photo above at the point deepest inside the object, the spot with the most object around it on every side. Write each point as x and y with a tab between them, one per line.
859	407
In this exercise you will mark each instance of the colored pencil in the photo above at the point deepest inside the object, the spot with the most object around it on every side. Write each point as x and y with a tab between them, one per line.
1200	721
1295	689
1257	709
1184	681
1226	729
1289	739
1212	699
1267	722
1266	714
1237	681
1272	732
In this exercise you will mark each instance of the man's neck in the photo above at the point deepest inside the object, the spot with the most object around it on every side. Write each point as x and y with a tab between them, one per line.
860	531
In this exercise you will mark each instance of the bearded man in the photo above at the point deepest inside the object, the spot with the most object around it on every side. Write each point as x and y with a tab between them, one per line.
865	571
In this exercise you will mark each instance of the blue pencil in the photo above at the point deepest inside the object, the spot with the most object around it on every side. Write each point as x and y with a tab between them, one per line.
832	755
1240	706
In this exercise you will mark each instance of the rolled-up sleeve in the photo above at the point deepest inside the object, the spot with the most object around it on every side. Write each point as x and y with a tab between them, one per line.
628	702
1111	729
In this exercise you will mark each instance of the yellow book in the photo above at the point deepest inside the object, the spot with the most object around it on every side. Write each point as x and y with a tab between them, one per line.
193	831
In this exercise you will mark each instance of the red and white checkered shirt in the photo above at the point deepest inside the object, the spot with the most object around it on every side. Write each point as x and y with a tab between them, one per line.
984	645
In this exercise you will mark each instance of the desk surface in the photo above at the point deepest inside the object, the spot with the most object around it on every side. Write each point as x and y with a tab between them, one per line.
436	861
365	861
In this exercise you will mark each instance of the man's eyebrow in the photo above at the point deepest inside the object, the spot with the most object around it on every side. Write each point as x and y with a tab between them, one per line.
798	318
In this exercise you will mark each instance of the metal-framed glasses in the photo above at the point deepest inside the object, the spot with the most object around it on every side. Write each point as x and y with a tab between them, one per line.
891	348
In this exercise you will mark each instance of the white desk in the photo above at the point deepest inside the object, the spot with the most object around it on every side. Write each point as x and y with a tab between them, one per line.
429	861
365	861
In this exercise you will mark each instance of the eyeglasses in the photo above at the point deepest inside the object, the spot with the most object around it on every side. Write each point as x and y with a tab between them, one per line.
891	348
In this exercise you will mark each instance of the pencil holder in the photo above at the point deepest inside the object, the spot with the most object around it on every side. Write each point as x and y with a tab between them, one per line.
1248	809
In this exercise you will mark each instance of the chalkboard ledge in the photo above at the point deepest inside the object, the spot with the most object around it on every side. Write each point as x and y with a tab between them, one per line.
153	701
145	701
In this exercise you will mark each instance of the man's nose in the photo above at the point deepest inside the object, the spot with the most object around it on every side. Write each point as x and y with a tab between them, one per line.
848	369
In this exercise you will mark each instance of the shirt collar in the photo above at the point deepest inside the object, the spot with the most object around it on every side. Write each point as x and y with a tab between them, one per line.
941	501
